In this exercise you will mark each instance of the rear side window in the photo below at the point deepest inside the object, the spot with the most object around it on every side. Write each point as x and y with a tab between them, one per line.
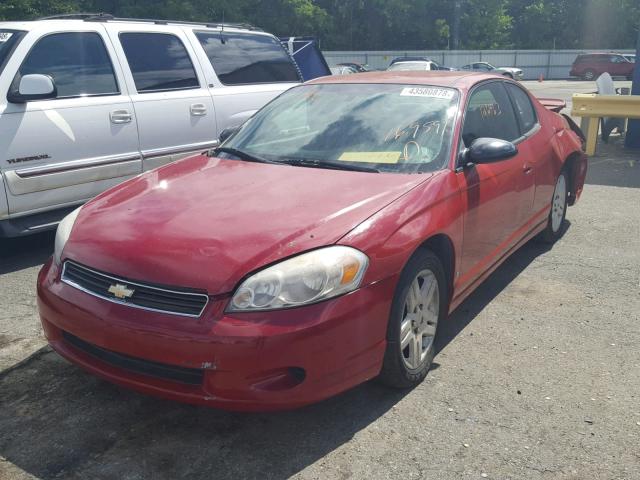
78	62
490	115
158	62
241	58
523	106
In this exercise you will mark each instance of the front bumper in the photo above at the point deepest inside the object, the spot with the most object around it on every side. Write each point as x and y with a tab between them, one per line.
251	361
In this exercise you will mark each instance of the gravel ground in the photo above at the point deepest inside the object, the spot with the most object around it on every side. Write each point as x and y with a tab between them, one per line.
537	377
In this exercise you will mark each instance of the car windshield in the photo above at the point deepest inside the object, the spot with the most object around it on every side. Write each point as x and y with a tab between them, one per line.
8	40
384	127
408	66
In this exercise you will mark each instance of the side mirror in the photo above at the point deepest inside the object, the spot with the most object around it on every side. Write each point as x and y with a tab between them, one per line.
228	132
34	87
489	150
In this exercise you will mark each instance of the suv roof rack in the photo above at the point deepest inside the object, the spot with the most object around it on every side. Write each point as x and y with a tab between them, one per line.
106	17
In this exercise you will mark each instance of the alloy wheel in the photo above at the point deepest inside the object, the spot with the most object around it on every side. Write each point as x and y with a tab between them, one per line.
558	204
420	319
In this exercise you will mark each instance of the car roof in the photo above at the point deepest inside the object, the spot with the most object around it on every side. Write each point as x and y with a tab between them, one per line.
420	62
75	24
456	79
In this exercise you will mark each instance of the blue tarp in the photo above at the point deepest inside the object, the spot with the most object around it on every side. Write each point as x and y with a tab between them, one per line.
307	54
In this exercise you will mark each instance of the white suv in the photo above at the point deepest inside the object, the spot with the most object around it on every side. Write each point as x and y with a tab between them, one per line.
87	103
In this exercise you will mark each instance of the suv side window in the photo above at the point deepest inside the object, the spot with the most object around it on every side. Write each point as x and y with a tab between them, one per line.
241	58
523	106
489	114
158	62
78	62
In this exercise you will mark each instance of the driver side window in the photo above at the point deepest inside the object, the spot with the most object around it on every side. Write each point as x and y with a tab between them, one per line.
78	62
489	115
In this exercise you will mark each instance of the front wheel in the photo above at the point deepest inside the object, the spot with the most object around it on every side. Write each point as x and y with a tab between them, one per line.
419	305
558	210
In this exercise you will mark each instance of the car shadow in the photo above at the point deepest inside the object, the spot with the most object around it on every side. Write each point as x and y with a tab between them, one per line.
58	422
490	288
25	252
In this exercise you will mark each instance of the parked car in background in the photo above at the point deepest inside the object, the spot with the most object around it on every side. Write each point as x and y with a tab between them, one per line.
89	102
436	65
359	67
409	58
630	57
591	65
417	65
509	72
342	70
320	246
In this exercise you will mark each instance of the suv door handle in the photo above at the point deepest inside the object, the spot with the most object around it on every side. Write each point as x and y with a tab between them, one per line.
120	116
527	169
198	109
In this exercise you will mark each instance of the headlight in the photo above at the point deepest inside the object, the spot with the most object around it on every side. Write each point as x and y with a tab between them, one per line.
63	232
301	280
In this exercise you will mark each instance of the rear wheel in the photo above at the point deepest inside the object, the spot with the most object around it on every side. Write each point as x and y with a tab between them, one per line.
558	210
589	75
419	304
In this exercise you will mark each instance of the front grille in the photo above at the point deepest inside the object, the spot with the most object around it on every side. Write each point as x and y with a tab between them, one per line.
134	294
190	376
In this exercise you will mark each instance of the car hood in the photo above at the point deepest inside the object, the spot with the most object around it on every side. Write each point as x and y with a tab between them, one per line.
205	222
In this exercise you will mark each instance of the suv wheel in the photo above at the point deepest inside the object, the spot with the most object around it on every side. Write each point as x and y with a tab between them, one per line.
589	75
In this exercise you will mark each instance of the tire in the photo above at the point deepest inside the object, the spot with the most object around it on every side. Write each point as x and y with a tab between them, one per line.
558	213
508	75
407	367
589	75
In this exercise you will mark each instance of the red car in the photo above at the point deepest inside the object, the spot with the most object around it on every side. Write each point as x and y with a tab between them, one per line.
591	66
319	247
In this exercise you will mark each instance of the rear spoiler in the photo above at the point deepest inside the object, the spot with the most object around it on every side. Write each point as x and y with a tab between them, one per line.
553	104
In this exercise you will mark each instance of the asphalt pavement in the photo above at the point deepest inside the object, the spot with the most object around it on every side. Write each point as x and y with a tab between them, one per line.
537	376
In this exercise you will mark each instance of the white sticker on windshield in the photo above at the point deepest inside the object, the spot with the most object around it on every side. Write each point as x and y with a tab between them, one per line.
4	36
430	92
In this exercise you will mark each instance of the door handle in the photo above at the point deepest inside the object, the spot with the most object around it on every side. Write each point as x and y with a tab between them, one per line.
120	116
527	169
198	109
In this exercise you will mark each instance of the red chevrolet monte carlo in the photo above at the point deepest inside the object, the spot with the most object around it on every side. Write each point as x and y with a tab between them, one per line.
319	247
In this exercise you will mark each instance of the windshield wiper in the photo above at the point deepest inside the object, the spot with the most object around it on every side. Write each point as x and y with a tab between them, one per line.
305	162
242	155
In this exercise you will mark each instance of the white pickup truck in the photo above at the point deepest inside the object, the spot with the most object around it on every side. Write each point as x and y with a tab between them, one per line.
89	101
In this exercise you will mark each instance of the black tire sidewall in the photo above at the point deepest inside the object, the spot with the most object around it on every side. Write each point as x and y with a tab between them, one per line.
394	371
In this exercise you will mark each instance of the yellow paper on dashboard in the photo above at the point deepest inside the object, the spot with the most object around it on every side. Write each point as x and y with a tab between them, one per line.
370	157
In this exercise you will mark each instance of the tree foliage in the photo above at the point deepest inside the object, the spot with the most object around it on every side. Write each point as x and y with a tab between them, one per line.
390	24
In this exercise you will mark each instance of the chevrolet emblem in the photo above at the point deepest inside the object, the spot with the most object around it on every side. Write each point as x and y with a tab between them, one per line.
120	291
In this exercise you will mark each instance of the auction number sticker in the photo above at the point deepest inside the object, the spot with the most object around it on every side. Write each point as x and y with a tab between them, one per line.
4	36
430	92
